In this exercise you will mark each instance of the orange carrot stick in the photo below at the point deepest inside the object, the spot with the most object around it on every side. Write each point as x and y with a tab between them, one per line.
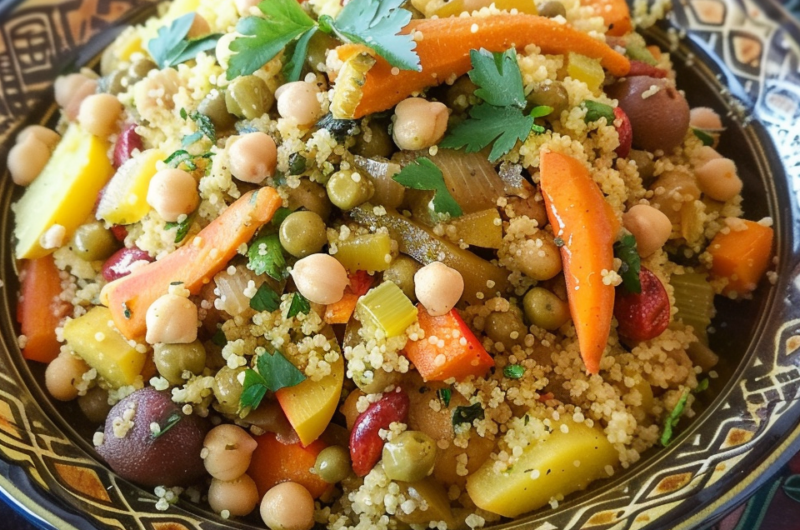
194	264
40	310
615	13
742	256
579	215
444	52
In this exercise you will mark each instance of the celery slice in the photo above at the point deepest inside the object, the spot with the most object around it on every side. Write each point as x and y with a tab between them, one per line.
388	308
694	299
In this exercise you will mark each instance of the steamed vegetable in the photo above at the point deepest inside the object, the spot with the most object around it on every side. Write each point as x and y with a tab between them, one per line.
741	255
274	461
194	264
580	217
694	300
387	308
40	310
124	199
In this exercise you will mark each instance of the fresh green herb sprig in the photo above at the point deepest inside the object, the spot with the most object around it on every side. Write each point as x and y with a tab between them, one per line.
703	136
500	120
625	249
596	110
422	174
181	157
273	373
265	299
300	304
182	228
374	23
265	256
673	418
205	127
467	414
171	46
514	371
170	422
445	394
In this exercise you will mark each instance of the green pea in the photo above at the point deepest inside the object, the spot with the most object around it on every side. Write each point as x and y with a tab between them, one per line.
248	97
213	106
401	272
505	327
140	68
409	457
297	164
553	95
93	241
318	48
94	405
228	389
458	95
302	233
544	309
172	360
311	196
112	83
333	464
347	189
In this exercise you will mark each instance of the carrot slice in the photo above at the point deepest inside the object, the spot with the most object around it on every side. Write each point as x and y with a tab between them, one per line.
274	462
40	310
456	351
444	52
616	14
581	218
742	256
194	264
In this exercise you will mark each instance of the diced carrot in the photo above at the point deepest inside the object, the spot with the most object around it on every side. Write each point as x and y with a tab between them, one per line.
194	264
456	351
274	462
444	52
615	13
40	309
741	256
580	216
341	311
655	51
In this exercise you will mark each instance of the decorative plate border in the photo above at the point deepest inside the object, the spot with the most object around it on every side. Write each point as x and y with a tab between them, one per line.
754	49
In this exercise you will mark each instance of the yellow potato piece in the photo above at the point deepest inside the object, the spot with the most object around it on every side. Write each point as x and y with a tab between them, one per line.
125	199
586	69
367	252
310	405
64	193
94	339
562	464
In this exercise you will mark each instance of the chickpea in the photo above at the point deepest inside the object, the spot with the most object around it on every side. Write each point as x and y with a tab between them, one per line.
544	309
718	179
253	157
172	193
73	108
238	496
649	226
704	118
438	288
47	136
172	319
298	102
172	360
419	123
288	506
99	114
320	278
673	190
66	87
27	159
62	374
155	92
227	450
703	155
94	404
347	189
199	27
302	234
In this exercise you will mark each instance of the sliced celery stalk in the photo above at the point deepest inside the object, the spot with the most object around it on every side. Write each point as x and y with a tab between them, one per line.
694	298
367	252
388	308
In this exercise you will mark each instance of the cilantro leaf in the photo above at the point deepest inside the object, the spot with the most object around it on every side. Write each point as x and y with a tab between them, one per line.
445	394
254	389
264	38
182	228
423	174
265	299
297	51
498	78
625	250
702	386
274	372
171	422
672	419
596	110
266	256
205	127
467	414
487	124
513	371
377	24
299	305
171	46
703	136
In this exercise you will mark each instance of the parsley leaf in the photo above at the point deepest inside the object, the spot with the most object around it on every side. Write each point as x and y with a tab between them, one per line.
297	51
703	136
266	256
467	414
444	395
539	112
595	111
377	24
219	338
264	38
171	422
265	299
500	118
672	419
423	174
625	250
274	372
205	127
183	228
299	305
513	371
339	129
171	46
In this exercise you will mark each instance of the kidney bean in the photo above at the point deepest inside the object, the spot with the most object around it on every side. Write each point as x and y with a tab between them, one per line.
366	444
118	265
127	142
120	232
625	133
642	68
642	316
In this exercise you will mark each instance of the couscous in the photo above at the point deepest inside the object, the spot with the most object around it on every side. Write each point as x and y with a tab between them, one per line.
424	264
